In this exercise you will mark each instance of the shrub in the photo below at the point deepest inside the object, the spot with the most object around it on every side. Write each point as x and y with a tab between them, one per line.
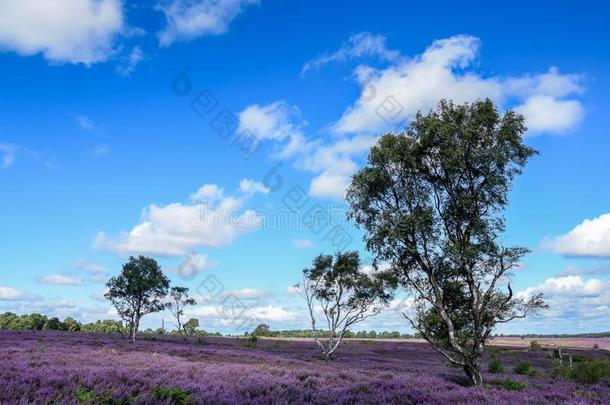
174	395
534	345
596	346
251	341
87	396
523	368
495	365
588	372
510	384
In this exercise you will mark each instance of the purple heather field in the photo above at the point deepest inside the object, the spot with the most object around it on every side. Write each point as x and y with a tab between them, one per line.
53	367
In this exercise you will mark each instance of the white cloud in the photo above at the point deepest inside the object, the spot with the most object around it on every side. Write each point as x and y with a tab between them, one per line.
10	294
591	238
208	192
227	316
575	304
569	286
90	268
7	155
250	294
192	265
59	279
277	121
251	187
362	44
177	229
302	243
294	290
188	19
130	62
391	96
334	165
246	294
546	113
74	31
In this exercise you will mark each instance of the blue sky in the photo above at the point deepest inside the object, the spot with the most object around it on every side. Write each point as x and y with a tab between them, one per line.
111	145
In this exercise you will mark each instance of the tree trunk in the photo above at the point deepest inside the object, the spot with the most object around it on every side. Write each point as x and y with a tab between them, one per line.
473	371
134	330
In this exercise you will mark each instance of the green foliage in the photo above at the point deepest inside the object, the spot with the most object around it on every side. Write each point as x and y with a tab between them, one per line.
430	203
524	368
138	290
534	345
191	326
251	341
71	325
108	326
512	385
175	396
261	330
588	372
495	365
87	396
9	320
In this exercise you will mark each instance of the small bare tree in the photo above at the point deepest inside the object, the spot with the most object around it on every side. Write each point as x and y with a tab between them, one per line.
179	300
344	294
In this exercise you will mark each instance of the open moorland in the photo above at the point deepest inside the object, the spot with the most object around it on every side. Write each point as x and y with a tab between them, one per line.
72	368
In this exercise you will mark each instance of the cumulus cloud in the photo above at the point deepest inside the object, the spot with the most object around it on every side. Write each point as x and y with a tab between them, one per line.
278	122
591	238
73	31
10	294
546	113
7	155
246	294
192	265
59	279
392	96
251	187
302	243
575	303
240	317
331	162
189	19
211	219
359	45
334	165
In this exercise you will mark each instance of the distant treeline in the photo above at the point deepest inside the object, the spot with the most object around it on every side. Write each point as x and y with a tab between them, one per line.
263	330
561	335
12	321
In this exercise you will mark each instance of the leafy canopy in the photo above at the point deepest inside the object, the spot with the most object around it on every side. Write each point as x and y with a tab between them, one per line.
430	201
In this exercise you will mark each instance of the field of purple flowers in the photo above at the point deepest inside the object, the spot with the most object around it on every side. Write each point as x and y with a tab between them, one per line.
64	367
